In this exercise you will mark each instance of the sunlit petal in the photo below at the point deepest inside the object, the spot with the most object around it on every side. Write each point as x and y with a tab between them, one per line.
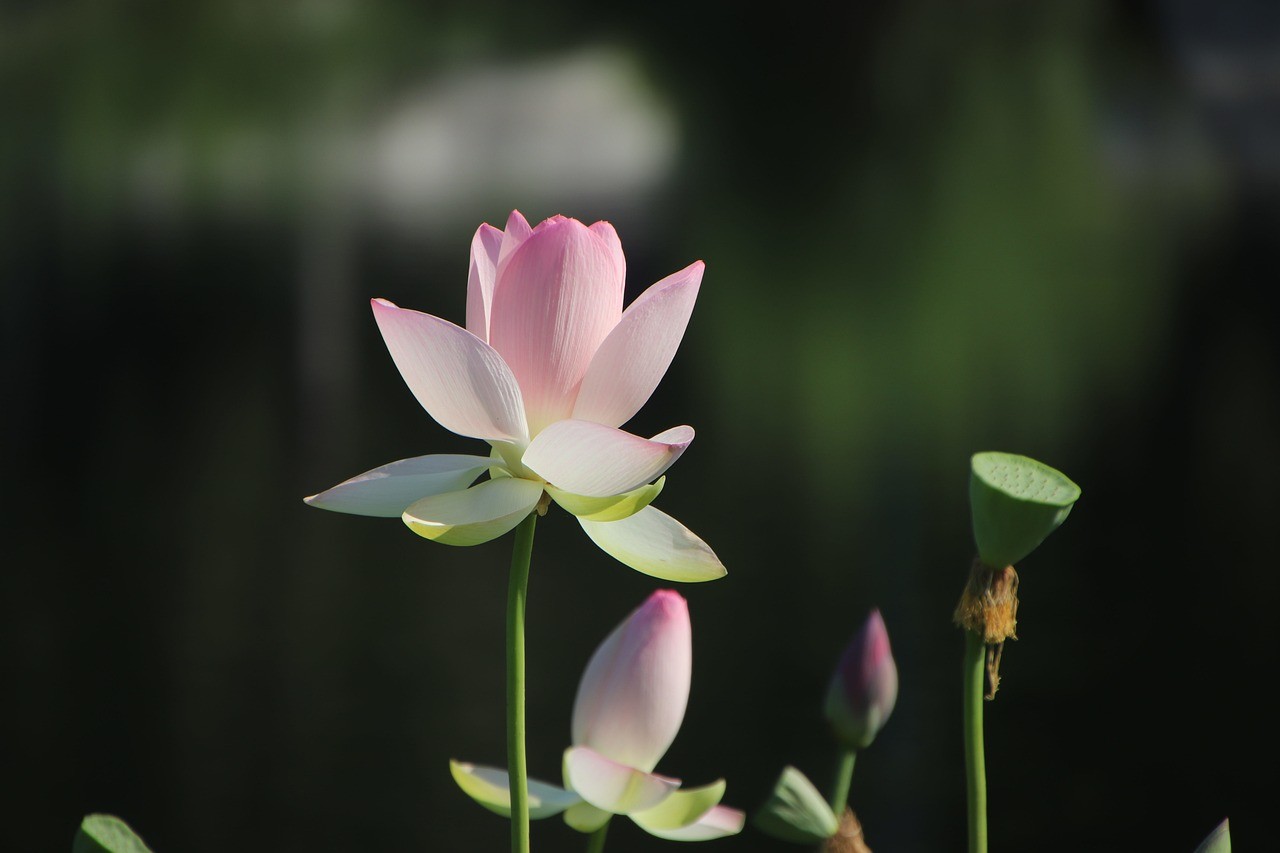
460	380
682	808
656	544
632	361
611	508
484	271
614	787
634	691
386	491
594	460
483	512
555	300
490	787
719	822
609	236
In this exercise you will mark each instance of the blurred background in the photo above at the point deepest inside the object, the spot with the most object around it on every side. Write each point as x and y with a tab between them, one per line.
930	228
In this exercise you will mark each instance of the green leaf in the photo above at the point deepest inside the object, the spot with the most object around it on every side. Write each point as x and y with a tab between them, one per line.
104	833
795	811
1219	841
1016	502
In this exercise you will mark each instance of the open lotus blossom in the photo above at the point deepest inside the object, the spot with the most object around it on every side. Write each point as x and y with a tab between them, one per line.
630	704
547	369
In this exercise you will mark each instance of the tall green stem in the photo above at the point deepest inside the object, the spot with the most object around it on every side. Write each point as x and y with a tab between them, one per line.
844	778
595	844
975	762
517	593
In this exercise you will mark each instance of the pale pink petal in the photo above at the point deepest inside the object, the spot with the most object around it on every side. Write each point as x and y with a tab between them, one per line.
719	822
517	231
554	302
656	544
634	358
597	461
460	380
633	693
484	271
609	235
386	491
612	785
475	515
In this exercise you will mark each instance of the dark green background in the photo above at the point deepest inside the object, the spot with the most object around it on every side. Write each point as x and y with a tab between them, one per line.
930	228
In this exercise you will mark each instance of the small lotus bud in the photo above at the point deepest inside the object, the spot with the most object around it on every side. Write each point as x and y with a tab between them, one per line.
864	686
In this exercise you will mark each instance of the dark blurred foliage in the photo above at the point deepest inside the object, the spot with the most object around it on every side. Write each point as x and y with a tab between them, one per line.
930	228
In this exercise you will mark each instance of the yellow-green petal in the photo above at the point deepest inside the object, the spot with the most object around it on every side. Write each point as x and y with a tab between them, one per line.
585	817
489	786
681	808
483	512
607	509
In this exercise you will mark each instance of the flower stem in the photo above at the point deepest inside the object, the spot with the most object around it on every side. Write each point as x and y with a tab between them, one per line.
975	674
595	844
844	778
517	593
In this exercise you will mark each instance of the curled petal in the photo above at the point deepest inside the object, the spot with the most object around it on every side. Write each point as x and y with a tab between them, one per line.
597	461
656	544
483	512
634	358
386	491
554	302
460	380
491	788
634	691
484	271
608	509
682	808
719	822
612	786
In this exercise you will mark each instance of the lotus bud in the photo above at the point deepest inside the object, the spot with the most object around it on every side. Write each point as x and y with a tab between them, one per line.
864	686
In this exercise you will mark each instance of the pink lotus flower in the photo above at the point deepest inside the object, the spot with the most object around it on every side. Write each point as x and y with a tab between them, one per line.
546	371
630	704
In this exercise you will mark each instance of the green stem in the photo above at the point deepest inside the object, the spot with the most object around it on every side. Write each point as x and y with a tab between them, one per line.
844	778
975	763
595	844
517	593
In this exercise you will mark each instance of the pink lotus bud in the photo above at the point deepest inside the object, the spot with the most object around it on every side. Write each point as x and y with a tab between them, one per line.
632	697
864	687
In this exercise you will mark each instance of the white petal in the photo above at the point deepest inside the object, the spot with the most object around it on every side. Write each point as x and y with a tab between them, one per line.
491	788
483	512
633	359
656	544
386	491
484	271
614	787
717	823
460	380
597	461
632	696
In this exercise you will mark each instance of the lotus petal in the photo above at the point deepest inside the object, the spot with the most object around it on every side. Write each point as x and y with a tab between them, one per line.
483	512
656	544
385	491
460	380
597	461
632	361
